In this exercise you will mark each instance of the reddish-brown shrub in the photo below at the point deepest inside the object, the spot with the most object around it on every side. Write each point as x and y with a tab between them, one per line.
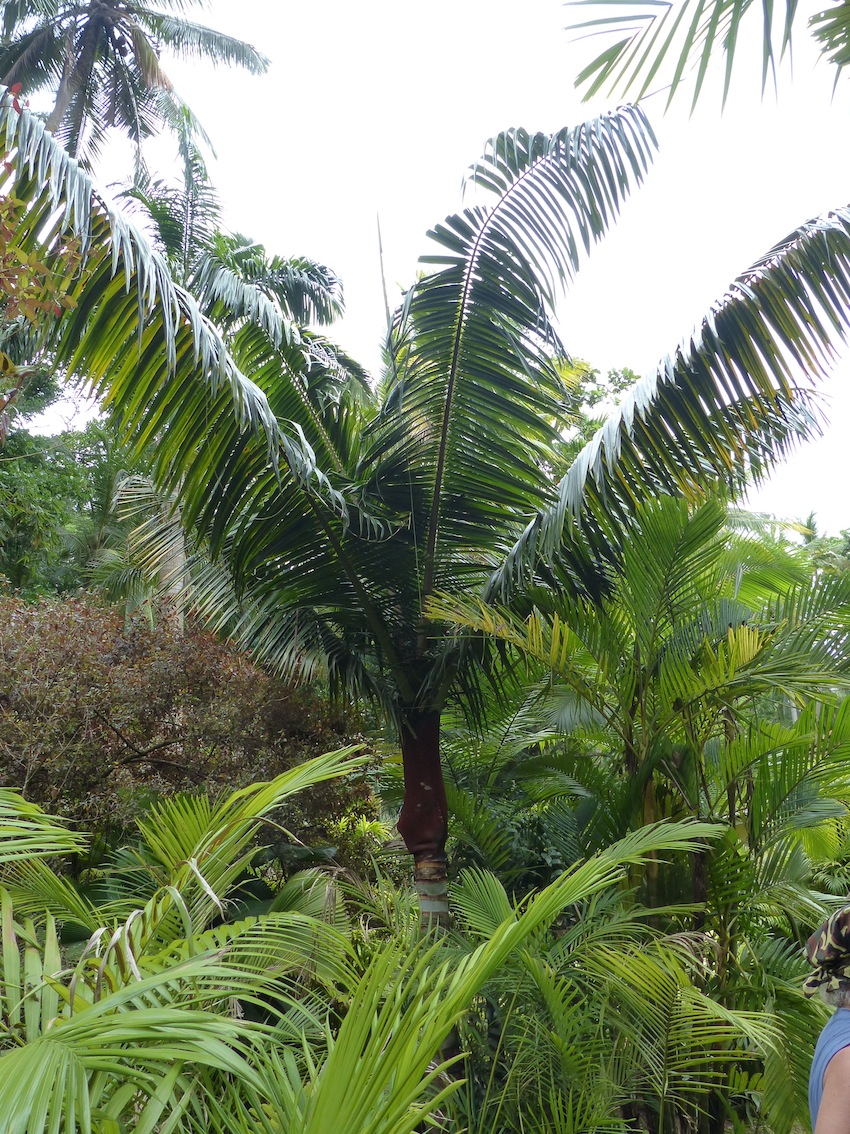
97	716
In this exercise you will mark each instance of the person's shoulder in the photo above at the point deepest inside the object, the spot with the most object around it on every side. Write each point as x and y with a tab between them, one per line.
838	1068
834	1038
839	1021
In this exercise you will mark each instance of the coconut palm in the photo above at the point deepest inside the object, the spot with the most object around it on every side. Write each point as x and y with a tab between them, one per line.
102	60
334	513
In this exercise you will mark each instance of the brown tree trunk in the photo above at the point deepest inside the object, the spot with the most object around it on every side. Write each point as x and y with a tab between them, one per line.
423	823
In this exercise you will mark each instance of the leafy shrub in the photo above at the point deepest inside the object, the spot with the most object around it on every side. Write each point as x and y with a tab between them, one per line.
99	716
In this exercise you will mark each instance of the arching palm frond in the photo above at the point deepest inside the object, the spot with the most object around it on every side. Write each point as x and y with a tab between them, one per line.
831	28
723	408
670	45
197	41
90	1053
477	399
204	850
140	339
306	291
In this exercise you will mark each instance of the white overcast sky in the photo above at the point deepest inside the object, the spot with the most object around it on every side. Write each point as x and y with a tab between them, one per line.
376	108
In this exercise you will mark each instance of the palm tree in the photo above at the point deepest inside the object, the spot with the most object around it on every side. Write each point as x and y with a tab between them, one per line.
102	58
335	512
231	276
669	45
689	670
233	279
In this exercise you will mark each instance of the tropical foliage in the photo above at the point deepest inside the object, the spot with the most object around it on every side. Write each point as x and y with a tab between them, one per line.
143	1023
427	485
640	712
708	682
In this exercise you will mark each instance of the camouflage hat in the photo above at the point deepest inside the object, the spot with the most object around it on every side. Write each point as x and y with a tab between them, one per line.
828	951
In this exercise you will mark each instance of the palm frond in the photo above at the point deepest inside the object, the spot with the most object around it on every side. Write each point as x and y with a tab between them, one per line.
831	28
476	398
668	45
26	832
196	41
723	408
204	849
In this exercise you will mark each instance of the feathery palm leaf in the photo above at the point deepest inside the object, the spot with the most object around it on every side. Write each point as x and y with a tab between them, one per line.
476	399
723	408
27	833
657	44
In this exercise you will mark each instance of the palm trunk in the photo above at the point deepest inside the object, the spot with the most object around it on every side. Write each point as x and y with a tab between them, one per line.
423	823
63	101
171	578
66	87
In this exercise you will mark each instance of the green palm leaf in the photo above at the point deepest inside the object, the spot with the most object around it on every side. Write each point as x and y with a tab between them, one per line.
27	833
118	1056
724	407
658	43
476	399
204	849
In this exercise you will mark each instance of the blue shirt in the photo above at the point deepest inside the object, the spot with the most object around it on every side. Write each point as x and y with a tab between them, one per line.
834	1037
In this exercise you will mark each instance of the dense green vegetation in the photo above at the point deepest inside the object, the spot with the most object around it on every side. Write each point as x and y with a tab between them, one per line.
606	712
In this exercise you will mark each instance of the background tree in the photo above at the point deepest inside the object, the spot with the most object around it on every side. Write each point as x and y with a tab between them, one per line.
230	276
102	62
102	715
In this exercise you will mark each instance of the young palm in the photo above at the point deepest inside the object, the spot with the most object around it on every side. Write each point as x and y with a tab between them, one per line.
175	1015
688	649
706	681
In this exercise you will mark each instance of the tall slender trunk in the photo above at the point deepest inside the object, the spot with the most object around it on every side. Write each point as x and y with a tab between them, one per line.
171	577
423	823
63	101
66	85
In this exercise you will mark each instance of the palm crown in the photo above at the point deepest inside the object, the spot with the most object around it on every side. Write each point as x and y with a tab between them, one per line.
102	57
